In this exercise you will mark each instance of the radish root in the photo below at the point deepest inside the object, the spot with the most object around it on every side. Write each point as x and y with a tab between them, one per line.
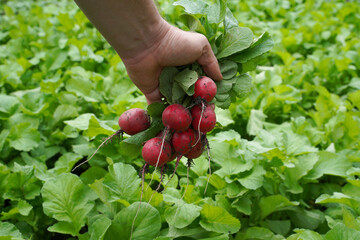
141	196
118	133
209	157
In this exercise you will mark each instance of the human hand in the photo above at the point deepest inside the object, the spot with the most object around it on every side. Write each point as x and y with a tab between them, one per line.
173	47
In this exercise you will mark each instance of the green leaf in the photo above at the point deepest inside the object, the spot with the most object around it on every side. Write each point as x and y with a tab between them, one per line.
181	214
141	137
99	228
256	121
193	23
192	7
216	12
146	226
81	122
243	86
66	200
155	109
23	137
123	182
228	69
354	97
64	228
22	183
330	164
305	234
255	179
65	111
166	81
97	127
340	231
235	40
218	220
260	46
9	230
274	203
8	105
186	80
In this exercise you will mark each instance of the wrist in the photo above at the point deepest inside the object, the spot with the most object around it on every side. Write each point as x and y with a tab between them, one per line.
145	40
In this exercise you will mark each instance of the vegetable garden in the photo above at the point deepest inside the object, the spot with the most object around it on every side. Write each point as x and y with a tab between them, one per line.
282	161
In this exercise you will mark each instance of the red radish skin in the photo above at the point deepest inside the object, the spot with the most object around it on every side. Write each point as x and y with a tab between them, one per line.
205	88
208	119
197	150
134	120
182	142
152	149
176	118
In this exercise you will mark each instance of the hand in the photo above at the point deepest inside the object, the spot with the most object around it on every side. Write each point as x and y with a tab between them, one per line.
173	47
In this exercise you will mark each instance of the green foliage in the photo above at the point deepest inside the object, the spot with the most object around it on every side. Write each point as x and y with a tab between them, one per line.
285	154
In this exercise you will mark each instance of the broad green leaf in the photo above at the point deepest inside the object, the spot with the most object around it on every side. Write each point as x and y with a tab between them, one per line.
218	220
166	80
23	137
65	111
155	109
274	203
216	12
330	164
64	228
8	105
305	234
22	183
147	223
192	7
228	69
97	127
259	233
340	231
193	23
355	98
99	227
223	116
292	175
256	121
65	199
243	205
309	219
182	214
9	230
255	179
338	197
81	122
260	46
186	80
243	86
123	182
235	40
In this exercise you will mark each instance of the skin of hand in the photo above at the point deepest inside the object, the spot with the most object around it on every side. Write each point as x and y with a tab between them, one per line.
146	43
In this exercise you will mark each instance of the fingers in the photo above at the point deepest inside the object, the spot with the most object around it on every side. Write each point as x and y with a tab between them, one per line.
154	96
209	62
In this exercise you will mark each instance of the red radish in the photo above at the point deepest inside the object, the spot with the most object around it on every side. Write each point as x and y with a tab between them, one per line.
196	150
206	118
205	88
134	120
176	117
182	142
152	152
